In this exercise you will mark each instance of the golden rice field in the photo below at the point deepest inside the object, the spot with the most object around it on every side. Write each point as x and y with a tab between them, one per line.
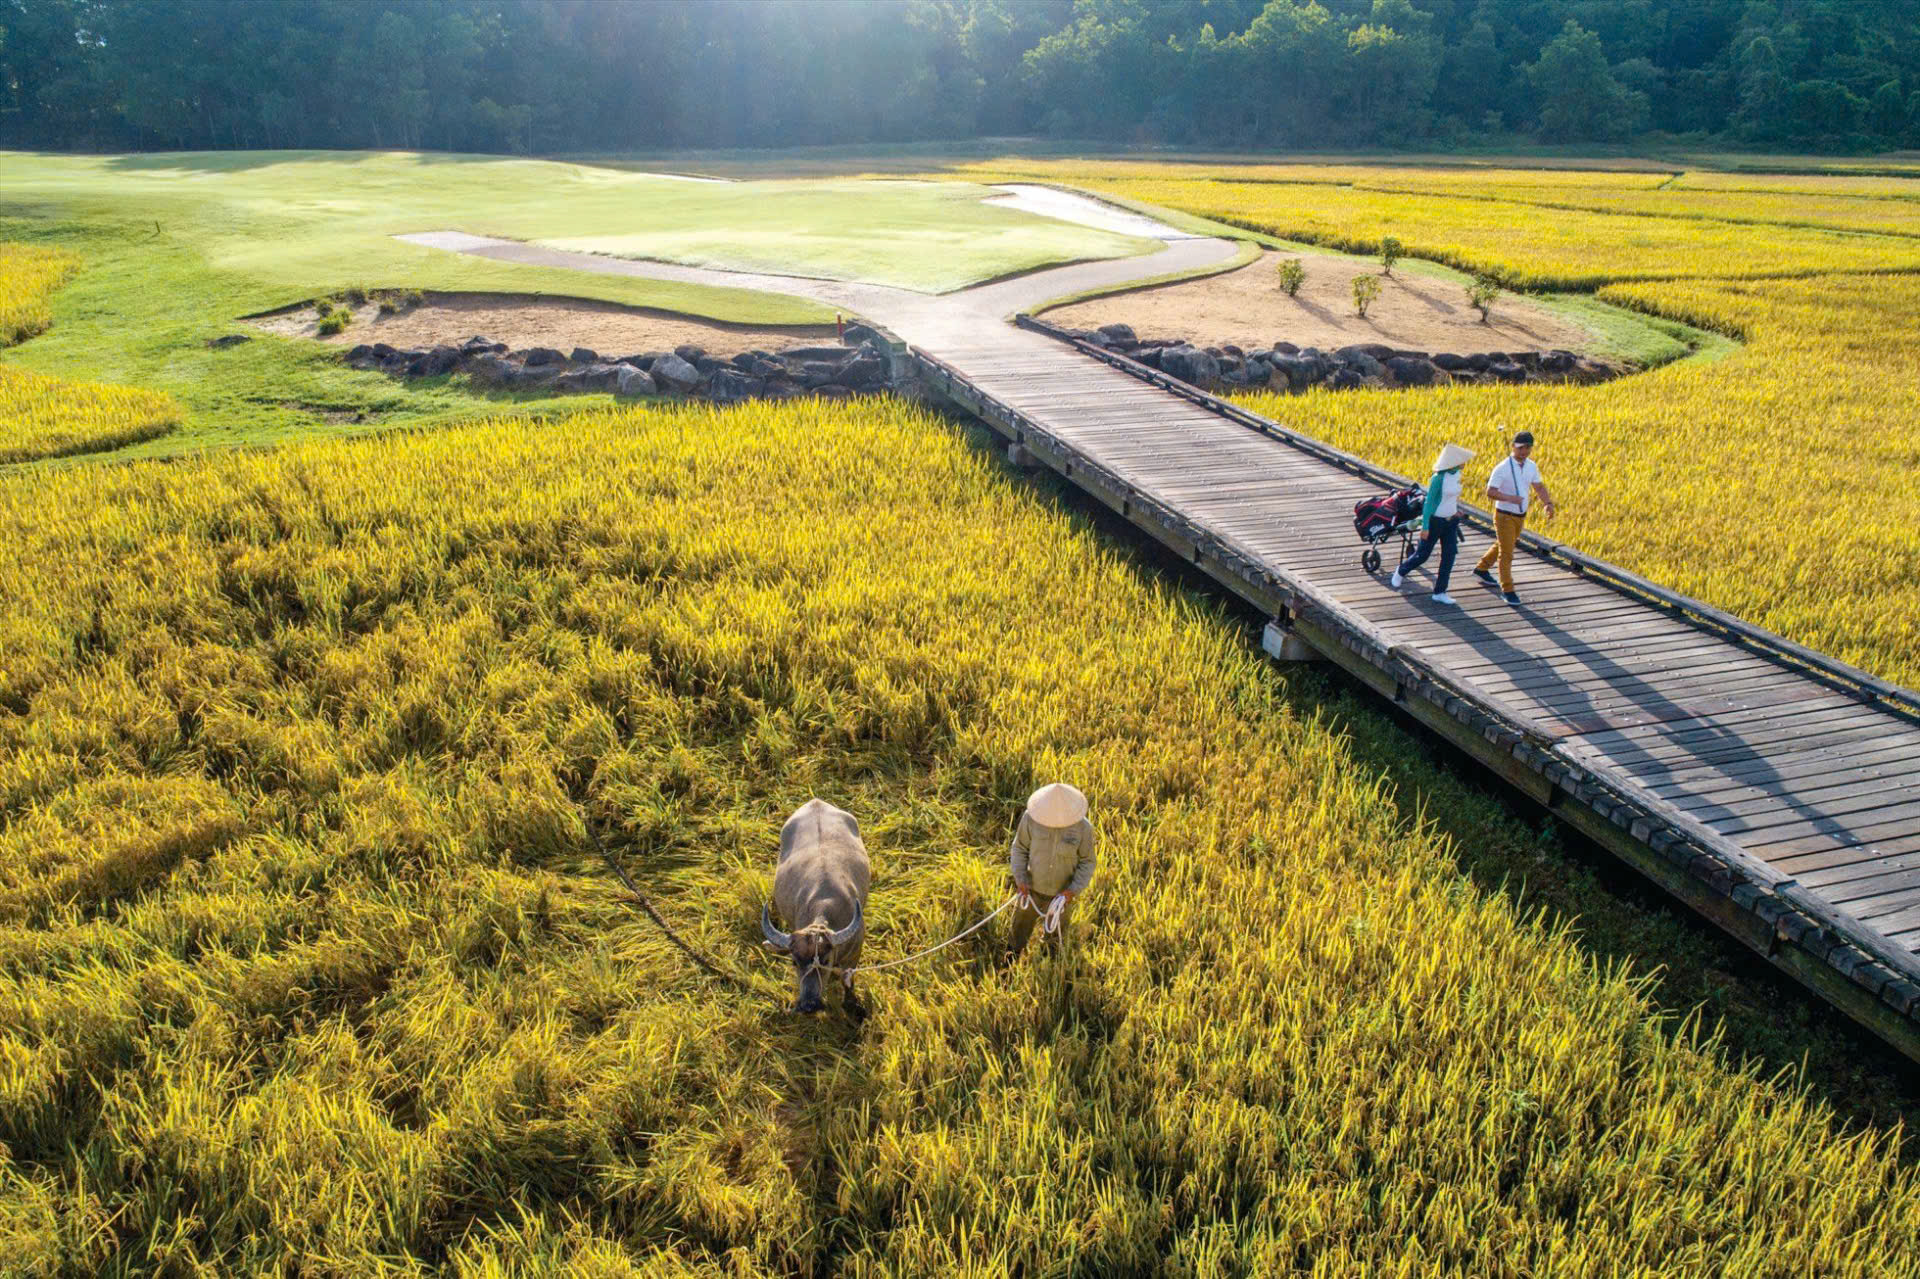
28	276
1533	230
43	417
310	967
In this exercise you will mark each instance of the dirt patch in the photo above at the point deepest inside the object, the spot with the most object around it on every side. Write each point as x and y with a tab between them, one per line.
520	320
1247	306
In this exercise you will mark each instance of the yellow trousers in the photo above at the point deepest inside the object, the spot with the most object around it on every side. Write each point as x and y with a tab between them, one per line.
1506	532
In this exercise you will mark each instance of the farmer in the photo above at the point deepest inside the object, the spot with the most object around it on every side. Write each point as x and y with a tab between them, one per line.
1052	862
1511	487
1439	521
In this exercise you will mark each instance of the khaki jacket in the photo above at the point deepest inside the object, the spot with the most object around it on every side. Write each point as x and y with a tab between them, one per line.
1051	859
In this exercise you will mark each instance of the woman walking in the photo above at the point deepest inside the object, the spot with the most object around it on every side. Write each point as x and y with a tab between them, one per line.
1439	521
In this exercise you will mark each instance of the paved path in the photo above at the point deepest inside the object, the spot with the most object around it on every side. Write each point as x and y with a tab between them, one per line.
916	317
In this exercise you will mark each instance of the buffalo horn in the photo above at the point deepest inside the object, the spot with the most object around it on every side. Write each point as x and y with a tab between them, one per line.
846	934
775	938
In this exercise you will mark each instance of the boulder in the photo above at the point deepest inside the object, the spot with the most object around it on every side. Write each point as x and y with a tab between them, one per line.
1452	363
1093	337
1507	371
1558	362
628	380
1230	349
490	369
1190	364
762	367
1404	355
1118	334
814	354
1285	348
730	386
381	351
476	343
1148	355
832	391
673	373
439	361
865	373
689	352
1359	360
1374	350
744	361
1289	372
1345	379
360	354
584	355
539	355
1408	371
859	334
1479	363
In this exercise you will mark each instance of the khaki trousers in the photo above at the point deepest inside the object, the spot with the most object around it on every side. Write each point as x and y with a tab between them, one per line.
1024	920
1506	532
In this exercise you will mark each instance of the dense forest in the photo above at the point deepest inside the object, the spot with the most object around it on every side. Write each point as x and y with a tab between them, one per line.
555	76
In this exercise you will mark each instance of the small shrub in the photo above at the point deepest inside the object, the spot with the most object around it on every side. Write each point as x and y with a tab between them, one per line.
334	322
389	307
415	298
323	308
1365	289
356	295
1389	254
1292	275
1481	293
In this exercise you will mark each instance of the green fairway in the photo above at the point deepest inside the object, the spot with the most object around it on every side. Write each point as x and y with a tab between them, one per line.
176	247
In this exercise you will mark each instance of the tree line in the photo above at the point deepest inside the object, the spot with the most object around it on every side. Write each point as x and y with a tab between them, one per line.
551	76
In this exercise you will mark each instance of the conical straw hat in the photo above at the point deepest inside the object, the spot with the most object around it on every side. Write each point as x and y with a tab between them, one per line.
1057	804
1451	456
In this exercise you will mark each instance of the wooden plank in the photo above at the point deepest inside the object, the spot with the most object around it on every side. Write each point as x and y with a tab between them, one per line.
1818	870
1897	763
1894	884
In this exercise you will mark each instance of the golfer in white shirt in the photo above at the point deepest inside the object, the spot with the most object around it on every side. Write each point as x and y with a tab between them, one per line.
1511	486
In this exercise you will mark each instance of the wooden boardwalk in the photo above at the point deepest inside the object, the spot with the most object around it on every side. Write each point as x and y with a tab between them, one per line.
1773	790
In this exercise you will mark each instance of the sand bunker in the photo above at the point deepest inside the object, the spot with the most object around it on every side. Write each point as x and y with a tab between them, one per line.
522	321
1247	306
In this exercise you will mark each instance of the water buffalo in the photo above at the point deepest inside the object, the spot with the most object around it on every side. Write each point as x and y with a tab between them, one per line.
821	890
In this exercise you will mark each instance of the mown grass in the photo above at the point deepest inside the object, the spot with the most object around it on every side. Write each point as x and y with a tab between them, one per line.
309	964
178	247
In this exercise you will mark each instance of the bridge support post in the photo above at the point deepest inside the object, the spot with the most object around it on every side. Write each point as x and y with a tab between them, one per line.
1019	455
1282	645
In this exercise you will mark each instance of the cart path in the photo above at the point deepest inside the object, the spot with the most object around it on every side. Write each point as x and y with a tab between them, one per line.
1783	805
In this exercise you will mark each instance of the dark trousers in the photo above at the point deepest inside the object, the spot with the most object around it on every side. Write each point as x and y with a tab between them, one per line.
1447	534
1025	919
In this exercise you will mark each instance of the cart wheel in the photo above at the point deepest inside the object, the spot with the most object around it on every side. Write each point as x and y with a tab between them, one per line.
1370	561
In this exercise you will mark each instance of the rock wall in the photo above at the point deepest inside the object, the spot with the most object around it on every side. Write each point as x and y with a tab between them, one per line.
863	366
1286	367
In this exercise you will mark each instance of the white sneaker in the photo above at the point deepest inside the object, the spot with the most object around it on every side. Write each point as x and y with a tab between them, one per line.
1441	597
1395	580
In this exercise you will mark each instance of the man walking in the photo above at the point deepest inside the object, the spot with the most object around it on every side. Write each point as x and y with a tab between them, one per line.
1052	862
1512	486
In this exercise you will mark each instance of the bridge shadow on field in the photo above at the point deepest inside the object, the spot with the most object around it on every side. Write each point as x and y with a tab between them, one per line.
1507	844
